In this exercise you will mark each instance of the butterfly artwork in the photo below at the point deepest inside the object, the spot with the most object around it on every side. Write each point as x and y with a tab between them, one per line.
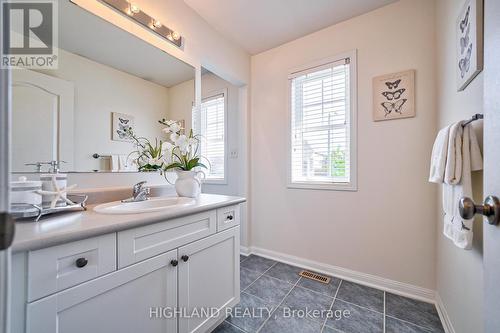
394	96
393	85
123	125
390	107
465	40
390	95
465	22
469	43
464	63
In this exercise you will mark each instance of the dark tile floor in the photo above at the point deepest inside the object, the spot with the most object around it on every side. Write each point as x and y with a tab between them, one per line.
275	299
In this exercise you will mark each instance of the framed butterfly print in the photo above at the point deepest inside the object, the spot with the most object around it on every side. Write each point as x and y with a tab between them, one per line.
394	96
122	124
469	30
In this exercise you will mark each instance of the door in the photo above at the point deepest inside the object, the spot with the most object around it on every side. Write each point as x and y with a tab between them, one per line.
491	259
137	298
209	279
43	106
6	224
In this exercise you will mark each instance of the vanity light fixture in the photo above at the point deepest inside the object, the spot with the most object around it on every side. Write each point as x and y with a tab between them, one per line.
135	13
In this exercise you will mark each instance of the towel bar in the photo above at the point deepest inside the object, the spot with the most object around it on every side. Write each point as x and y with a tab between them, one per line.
475	117
96	155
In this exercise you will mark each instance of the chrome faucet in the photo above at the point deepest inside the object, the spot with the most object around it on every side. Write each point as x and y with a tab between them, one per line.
139	193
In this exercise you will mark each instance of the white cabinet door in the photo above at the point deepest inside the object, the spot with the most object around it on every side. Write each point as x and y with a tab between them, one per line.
209	279
127	300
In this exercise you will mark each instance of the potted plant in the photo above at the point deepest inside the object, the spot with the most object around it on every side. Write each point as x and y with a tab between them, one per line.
182	156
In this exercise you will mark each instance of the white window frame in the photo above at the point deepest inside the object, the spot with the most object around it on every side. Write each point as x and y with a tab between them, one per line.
214	93
352	185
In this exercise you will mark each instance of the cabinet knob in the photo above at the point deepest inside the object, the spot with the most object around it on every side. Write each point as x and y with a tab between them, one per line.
185	258
81	262
174	262
230	217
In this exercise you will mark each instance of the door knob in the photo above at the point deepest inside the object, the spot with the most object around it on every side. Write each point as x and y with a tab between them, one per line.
490	209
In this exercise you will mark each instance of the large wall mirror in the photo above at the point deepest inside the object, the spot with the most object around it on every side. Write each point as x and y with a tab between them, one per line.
107	81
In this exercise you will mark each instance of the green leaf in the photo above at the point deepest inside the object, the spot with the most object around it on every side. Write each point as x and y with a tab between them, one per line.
173	166
201	165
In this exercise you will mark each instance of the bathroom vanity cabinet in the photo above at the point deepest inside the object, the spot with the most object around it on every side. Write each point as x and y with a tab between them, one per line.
168	276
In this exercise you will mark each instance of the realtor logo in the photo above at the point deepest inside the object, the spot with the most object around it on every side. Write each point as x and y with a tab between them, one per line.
29	34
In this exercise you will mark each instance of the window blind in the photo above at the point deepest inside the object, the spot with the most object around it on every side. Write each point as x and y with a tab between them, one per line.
320	124
210	125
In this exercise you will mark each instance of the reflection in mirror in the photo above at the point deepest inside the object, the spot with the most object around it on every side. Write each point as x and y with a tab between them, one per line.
217	120
108	82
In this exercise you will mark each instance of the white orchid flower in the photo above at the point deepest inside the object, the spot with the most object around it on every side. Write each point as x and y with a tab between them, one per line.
167	147
174	137
155	161
167	130
167	159
182	143
175	127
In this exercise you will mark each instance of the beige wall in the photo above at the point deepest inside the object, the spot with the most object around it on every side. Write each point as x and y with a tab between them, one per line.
180	102
387	228
459	273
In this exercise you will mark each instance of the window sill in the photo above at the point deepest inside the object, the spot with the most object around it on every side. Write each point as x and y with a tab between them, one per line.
215	182
351	187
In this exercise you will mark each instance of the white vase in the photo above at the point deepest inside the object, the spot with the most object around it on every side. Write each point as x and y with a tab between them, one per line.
188	183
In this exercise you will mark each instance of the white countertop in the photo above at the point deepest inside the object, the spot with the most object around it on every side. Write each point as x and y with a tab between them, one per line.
71	226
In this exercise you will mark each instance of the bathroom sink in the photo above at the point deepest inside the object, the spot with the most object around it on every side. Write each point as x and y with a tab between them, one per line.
148	206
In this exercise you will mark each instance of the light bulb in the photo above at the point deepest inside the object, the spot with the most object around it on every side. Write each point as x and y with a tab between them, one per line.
156	24
175	35
134	9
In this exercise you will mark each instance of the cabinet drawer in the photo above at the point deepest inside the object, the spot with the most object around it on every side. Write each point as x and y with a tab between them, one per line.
121	301
59	267
228	217
145	242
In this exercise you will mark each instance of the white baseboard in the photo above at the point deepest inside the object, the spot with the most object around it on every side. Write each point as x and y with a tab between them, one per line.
443	314
244	250
400	288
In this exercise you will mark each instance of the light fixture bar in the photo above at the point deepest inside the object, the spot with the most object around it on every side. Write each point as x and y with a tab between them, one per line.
134	12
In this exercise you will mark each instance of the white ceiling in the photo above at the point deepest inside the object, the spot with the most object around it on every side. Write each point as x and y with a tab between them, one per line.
259	25
85	34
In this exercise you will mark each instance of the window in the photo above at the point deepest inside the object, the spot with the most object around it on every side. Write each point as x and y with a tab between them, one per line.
210	124
322	118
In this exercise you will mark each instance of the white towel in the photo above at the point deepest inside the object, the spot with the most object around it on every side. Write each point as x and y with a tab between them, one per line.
438	158
122	163
456	228
114	163
453	168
